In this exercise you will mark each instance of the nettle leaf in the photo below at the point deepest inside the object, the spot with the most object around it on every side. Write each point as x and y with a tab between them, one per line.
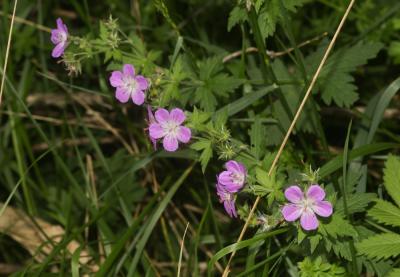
205	146
392	178
337	227
386	213
238	15
380	246
270	13
336	81
355	203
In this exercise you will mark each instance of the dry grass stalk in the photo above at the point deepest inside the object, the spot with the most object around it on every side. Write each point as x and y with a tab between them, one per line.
7	51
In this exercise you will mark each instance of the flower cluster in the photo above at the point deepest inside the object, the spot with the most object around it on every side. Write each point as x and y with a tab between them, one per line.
164	125
230	182
168	126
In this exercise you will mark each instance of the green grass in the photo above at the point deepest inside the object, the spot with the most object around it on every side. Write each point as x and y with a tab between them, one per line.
72	156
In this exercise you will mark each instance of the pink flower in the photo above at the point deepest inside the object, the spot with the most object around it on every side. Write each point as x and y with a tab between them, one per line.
59	37
233	179
128	85
168	126
306	206
150	121
228	199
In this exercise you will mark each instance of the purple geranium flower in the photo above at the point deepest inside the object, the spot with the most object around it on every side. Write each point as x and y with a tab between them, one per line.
228	199
234	177
129	85
59	37
306	206
150	121
168	126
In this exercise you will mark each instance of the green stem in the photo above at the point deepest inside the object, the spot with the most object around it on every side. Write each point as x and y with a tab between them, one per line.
344	196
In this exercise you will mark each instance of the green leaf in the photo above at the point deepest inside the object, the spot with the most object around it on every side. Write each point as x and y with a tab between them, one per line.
243	244
394	51
152	221
205	146
213	83
245	101
392	178
337	227
336	80
380	246
263	178
238	15
395	272
175	77
270	14
386	213
336	163
355	203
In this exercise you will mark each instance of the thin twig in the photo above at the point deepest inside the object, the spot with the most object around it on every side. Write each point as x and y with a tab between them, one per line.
272	54
7	51
299	110
27	22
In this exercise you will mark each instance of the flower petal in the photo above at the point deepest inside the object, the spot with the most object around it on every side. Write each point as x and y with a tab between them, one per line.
61	26
58	51
184	134
177	115
323	208
225	180
128	70
138	97
116	79
122	95
170	143
230	208
316	193
156	131
142	83
162	115
291	212
55	36
150	115
235	166
308	220
294	194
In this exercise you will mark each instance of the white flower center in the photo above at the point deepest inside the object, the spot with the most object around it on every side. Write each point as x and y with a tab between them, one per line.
307	204
170	127
130	84
238	178
61	37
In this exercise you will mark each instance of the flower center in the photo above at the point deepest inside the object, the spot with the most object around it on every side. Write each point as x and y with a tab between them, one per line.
237	178
130	84
307	204
171	128
61	37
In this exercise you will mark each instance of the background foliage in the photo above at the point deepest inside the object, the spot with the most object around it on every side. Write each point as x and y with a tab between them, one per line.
72	156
